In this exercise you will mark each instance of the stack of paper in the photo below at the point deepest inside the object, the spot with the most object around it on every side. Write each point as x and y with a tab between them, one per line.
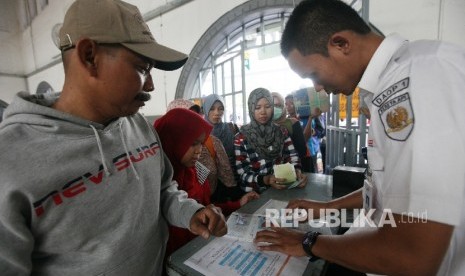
236	254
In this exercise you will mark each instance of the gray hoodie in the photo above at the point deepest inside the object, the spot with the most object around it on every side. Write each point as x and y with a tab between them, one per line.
81	198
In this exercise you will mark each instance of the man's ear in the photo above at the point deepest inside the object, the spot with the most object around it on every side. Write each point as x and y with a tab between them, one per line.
340	42
87	50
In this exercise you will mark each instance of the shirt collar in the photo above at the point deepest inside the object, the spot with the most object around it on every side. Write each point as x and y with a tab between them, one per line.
379	61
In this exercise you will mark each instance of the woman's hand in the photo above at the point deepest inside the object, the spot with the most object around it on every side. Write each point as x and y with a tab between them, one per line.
248	197
302	178
274	182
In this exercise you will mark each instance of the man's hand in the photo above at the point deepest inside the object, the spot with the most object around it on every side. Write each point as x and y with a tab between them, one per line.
208	221
281	240
309	206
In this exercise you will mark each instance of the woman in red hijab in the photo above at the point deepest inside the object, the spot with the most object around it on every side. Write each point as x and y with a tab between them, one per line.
182	133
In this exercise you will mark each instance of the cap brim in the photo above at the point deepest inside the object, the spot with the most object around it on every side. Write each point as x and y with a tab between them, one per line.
165	58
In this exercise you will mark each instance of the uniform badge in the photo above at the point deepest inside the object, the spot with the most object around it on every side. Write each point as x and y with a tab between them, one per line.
395	110
396	114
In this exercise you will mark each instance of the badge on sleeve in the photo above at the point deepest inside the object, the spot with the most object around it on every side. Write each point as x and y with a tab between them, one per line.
397	117
395	110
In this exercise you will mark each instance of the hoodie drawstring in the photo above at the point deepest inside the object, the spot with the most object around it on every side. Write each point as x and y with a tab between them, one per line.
102	156
127	152
151	130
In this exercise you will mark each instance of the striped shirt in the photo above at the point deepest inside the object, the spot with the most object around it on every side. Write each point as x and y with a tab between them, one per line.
249	165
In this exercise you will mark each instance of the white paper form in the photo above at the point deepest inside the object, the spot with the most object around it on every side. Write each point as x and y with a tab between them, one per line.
236	254
271	204
244	226
226	256
303	226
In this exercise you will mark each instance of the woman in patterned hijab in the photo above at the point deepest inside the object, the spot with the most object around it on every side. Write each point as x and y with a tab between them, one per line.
180	103
266	137
261	144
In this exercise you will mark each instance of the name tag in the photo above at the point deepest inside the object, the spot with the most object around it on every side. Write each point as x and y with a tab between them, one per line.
368	195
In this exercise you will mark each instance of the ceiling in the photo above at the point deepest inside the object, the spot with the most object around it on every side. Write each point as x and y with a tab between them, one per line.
16	15
8	20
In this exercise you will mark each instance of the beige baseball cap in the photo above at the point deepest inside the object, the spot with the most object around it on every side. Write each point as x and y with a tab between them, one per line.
115	21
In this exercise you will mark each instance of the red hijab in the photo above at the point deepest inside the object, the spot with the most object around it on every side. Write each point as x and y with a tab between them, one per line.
178	129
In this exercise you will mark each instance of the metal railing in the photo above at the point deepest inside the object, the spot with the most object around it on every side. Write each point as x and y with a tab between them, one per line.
344	147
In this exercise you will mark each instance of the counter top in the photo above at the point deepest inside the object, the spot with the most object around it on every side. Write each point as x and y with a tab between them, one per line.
319	187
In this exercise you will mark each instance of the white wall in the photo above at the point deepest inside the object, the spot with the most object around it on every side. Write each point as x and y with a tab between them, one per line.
53	75
181	29
11	85
421	19
28	52
452	22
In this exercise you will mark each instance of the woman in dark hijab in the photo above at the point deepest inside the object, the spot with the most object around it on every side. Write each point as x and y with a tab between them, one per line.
213	107
262	144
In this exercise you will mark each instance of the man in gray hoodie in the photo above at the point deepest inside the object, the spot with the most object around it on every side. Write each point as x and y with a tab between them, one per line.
85	188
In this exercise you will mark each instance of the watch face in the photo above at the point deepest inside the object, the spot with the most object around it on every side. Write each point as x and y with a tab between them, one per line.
307	239
307	244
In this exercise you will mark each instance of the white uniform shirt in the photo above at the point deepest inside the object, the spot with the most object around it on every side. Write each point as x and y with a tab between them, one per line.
416	143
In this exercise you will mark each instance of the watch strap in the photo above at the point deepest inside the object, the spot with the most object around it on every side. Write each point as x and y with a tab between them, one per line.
307	243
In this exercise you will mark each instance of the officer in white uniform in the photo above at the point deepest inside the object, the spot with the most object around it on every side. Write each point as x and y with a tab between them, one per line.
416	141
416	146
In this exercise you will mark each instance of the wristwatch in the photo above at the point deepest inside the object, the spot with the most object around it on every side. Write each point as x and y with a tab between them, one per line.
307	243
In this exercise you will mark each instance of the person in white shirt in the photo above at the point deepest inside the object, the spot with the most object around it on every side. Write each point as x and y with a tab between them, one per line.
414	91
